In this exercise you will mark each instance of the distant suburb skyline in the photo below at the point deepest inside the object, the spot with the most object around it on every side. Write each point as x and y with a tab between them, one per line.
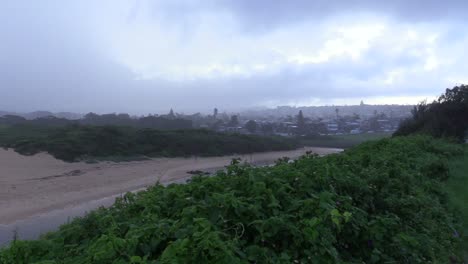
146	56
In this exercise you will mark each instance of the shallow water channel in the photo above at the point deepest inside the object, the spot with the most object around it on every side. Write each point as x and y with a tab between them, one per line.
34	227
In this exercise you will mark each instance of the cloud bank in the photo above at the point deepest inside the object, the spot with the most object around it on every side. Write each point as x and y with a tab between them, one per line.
148	56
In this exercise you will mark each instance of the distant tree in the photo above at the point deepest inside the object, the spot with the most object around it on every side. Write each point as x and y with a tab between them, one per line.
12	120
224	116
267	128
217	124
91	116
215	113
171	114
124	116
301	126
318	128
355	117
251	126
234	121
150	121
374	124
337	111
362	103
51	121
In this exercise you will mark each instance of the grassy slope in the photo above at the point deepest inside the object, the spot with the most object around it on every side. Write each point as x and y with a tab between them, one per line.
457	187
343	141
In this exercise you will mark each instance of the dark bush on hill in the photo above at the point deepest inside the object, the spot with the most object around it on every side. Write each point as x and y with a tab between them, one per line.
446	117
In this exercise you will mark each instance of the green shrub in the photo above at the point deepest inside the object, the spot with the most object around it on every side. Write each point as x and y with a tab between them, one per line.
380	202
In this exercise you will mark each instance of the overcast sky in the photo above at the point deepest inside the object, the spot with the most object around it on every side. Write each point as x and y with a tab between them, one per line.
143	56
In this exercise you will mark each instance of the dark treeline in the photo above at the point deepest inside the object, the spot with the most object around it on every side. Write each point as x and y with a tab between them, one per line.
166	122
445	117
79	142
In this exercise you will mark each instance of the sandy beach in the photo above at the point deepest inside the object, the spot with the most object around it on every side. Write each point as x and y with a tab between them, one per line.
34	185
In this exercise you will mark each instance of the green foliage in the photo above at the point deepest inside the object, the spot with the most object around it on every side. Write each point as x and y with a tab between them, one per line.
380	202
456	187
301	125
341	141
446	117
75	142
234	121
251	126
168	122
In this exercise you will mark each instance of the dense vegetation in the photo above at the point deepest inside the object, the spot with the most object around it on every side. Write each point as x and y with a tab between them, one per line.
166	122
341	141
446	117
456	187
380	202
76	142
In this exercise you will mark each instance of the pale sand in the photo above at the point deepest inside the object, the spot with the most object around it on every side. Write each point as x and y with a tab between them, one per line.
33	185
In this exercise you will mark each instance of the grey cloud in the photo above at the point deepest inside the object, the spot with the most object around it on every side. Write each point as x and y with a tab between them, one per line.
276	11
49	60
264	15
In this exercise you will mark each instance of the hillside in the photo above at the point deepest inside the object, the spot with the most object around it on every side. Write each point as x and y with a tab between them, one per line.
446	117
379	202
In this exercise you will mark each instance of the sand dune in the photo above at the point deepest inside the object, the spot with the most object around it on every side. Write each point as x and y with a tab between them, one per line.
32	185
